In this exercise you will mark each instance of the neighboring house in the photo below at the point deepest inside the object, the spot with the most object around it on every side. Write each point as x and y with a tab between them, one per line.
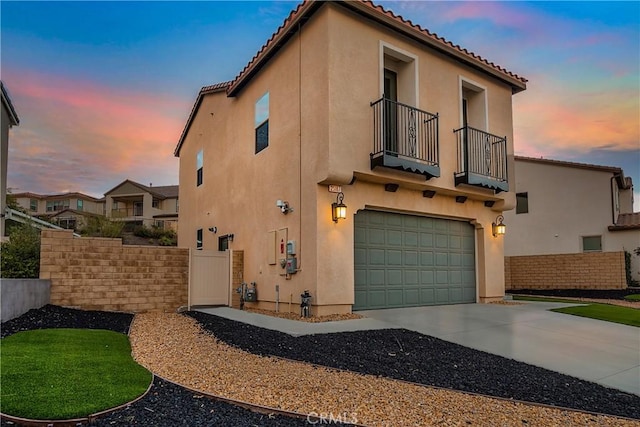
351	105
8	119
572	208
139	204
68	210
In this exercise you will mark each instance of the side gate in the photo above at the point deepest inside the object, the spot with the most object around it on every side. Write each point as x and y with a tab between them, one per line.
209	278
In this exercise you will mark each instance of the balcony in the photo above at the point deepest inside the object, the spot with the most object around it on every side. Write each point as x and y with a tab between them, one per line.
404	138
127	212
482	159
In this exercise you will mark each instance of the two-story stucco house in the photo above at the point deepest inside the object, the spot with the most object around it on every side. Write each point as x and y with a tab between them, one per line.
8	119
357	156
138	204
572	208
67	210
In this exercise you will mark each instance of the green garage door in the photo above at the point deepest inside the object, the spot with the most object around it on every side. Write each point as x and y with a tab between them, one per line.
405	260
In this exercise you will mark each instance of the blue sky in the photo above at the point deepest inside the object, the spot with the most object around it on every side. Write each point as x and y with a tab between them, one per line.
103	89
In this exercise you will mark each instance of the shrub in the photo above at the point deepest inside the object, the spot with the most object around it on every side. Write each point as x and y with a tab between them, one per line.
627	269
100	226
20	258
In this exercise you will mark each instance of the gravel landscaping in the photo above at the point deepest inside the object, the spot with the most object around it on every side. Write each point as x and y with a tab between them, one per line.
196	354
410	356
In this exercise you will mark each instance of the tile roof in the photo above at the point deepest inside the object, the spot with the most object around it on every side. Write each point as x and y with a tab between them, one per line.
626	221
368	10
164	192
378	13
6	100
55	196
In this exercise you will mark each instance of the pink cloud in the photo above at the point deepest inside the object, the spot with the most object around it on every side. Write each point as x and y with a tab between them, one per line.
79	134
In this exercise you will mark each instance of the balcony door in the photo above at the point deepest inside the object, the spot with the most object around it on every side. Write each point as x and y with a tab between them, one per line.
390	112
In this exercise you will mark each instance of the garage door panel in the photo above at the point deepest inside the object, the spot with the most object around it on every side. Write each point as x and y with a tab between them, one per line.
411	297
404	260
394	257
411	278
427	296
410	258
394	278
376	236
394	238
377	256
395	297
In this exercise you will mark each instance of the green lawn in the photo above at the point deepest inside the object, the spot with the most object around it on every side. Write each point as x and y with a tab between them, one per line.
607	312
633	297
67	373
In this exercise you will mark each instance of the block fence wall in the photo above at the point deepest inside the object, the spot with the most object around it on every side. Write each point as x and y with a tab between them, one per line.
593	270
102	274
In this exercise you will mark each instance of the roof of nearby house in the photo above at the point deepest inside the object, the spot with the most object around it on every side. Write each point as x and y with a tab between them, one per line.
6	100
162	192
54	196
69	211
626	221
623	182
367	10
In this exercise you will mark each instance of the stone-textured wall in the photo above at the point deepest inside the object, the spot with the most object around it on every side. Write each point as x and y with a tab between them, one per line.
102	274
237	274
592	270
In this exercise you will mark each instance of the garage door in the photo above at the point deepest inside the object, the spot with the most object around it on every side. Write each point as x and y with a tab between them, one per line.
405	260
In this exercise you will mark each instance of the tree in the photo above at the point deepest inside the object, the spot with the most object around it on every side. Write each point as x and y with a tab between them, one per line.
20	256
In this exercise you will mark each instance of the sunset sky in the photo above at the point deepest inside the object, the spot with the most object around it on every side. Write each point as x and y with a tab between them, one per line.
103	89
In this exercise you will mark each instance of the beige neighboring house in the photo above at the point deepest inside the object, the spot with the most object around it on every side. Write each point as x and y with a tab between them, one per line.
572	208
67	210
348	104
139	204
8	119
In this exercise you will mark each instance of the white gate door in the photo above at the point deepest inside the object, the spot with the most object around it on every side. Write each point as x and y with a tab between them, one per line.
209	279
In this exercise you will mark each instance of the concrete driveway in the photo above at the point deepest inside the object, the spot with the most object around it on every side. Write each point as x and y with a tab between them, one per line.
603	352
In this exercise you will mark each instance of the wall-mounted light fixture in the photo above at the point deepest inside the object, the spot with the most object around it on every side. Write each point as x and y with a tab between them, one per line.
214	230
284	206
338	209
498	227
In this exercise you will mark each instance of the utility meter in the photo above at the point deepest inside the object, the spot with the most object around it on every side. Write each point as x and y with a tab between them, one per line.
292	265
291	247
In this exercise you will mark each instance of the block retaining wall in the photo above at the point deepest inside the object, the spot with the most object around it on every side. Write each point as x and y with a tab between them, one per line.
593	270
102	274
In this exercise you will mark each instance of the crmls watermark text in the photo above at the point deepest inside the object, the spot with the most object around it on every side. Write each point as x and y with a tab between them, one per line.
324	418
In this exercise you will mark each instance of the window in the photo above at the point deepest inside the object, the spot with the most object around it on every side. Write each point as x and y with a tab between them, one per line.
80	204
199	162
33	205
262	123
177	205
155	203
522	203
57	205
592	244
199	239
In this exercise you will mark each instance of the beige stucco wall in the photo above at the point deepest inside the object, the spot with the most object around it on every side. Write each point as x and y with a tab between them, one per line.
320	133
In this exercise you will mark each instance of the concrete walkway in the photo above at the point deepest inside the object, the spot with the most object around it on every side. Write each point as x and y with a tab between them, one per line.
603	352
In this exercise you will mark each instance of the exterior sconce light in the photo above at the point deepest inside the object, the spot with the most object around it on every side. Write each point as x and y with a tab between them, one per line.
338	209
500	228
284	206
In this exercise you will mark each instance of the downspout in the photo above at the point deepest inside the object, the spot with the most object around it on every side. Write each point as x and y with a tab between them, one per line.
613	207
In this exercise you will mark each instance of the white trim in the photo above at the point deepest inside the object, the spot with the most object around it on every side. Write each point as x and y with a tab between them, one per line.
401	55
464	82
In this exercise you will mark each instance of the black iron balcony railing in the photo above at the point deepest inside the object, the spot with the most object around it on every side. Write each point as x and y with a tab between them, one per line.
482	159
404	138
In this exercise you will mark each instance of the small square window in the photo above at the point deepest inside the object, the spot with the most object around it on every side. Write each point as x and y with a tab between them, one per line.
522	203
199	239
592	244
